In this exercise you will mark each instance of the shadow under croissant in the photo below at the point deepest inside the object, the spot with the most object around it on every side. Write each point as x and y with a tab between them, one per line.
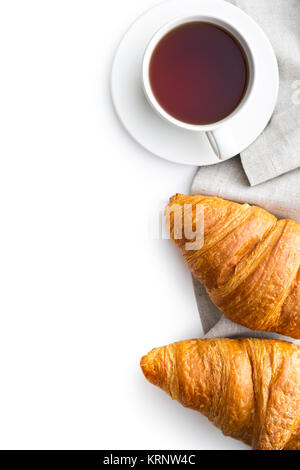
209	313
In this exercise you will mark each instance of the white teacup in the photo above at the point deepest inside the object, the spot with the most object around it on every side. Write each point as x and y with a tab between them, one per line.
218	133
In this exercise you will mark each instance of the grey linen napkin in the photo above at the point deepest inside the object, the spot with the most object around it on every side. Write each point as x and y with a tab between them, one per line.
277	150
275	153
281	196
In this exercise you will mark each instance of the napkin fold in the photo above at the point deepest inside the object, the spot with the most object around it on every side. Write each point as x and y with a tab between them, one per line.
277	150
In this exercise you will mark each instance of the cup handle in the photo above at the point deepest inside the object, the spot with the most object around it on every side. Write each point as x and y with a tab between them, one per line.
222	142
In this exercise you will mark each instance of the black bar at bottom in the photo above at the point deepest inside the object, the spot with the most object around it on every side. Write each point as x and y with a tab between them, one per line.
90	459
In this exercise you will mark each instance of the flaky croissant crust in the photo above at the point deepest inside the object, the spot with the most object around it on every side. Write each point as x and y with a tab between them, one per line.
249	388
249	263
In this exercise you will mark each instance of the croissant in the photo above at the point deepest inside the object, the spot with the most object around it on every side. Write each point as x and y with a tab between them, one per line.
248	388
249	261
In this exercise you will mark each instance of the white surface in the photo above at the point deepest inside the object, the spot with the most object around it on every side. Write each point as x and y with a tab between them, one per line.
160	136
84	290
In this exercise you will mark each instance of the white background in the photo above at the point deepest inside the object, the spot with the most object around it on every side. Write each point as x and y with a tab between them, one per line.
84	289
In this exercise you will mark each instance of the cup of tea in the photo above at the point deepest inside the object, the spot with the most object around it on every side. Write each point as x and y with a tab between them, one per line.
198	72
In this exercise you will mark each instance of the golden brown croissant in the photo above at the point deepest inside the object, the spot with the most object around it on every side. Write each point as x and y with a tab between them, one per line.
249	262
249	388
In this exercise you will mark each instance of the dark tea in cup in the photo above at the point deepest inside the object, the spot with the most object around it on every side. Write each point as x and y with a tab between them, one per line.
199	73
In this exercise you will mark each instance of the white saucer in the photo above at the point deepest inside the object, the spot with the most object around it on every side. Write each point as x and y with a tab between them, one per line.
157	135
